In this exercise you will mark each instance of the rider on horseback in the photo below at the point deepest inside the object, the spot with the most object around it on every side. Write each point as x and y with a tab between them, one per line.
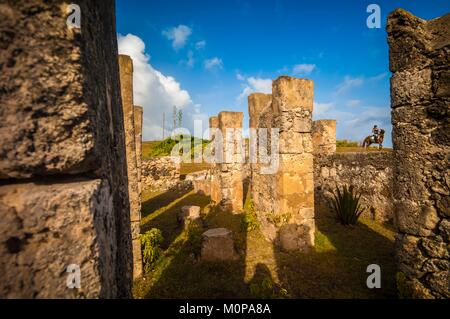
375	133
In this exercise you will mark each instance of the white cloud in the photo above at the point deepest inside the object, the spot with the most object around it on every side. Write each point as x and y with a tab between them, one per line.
240	77
178	35
155	92
190	59
348	83
320	110
303	69
253	85
200	44
378	77
214	63
353	103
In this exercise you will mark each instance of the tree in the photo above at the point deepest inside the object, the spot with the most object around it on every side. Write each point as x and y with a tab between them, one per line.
180	118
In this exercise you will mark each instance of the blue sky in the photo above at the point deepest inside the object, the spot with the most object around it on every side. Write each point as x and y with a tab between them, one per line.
206	56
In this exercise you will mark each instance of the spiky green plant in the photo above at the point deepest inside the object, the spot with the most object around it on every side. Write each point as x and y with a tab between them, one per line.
150	242
346	205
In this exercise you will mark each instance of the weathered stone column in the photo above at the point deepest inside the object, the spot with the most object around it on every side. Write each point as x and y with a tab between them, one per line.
215	168
324	136
230	176
138	120
292	104
126	82
259	107
420	101
63	196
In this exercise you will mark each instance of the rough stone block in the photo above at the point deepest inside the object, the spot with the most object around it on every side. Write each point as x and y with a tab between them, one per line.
257	104
188	213
57	88
411	87
324	136
218	245
46	228
297	237
291	93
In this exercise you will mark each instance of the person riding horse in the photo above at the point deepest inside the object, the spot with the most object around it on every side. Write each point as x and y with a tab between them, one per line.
375	133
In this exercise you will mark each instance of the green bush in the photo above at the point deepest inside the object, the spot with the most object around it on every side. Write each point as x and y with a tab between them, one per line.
151	250
346	205
346	143
164	148
249	220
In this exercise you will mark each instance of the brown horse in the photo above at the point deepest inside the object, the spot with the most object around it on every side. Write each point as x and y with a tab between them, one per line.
369	141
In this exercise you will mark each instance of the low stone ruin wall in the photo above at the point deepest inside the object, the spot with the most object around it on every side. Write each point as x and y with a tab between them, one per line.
160	173
370	173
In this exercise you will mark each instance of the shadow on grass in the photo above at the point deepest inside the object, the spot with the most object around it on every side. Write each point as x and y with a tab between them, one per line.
184	275
165	219
336	267
154	203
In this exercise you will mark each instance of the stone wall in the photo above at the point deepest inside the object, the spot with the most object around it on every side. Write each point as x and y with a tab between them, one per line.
324	136
63	193
160	173
420	100
371	173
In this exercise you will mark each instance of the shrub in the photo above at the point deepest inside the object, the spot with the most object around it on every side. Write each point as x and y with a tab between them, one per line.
346	143
249	220
151	250
346	205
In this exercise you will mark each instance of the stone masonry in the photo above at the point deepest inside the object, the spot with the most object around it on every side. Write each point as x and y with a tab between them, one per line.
138	121
63	195
126	82
215	186
230	168
284	201
420	101
324	136
371	173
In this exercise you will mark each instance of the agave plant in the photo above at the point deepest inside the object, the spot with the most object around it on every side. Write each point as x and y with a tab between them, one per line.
346	205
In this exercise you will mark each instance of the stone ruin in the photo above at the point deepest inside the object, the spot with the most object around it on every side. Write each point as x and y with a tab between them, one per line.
68	164
420	99
70	158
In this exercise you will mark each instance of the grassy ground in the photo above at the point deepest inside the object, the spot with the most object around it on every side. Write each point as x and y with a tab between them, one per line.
360	149
335	268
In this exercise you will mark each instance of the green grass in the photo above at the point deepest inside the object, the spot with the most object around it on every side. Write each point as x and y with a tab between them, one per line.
164	148
358	149
335	268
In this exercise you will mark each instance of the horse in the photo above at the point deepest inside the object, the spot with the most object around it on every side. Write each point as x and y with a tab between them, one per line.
369	141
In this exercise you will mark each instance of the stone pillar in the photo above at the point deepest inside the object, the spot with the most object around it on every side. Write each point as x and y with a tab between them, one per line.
215	169
63	195
138	118
259	105
230	176
292	104
126	81
420	99
324	136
